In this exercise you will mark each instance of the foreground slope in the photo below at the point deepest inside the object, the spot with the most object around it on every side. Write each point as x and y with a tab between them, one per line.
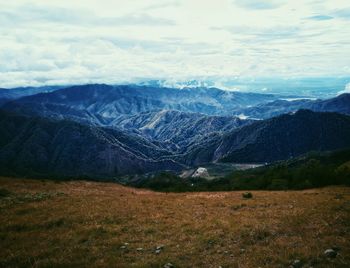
86	224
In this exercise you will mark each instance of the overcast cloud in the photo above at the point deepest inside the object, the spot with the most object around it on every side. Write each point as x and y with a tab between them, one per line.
82	41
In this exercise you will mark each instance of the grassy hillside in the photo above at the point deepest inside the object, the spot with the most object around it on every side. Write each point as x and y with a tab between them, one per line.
89	224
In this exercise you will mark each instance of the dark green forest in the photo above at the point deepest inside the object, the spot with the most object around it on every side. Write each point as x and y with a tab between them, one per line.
309	171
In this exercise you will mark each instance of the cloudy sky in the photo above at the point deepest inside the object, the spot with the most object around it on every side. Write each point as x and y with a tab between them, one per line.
81	41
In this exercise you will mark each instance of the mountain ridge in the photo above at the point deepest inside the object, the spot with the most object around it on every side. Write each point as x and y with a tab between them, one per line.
339	104
33	145
131	129
277	138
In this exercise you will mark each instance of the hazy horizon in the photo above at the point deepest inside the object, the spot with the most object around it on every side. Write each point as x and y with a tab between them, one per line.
308	87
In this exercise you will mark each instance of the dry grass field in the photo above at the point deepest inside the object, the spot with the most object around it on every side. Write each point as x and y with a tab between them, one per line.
89	224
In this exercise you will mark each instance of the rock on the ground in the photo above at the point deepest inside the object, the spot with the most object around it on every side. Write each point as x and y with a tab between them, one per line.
296	264
159	249
330	253
168	265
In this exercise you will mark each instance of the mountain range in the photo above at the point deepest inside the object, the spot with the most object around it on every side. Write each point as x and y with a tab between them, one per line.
108	102
39	146
102	131
278	138
340	104
15	93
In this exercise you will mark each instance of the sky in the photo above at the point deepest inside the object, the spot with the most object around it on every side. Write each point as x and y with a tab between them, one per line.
52	42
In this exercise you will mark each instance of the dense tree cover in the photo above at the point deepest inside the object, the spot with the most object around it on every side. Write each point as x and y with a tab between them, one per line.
312	170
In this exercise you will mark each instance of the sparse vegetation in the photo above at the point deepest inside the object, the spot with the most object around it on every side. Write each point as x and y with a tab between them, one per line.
90	224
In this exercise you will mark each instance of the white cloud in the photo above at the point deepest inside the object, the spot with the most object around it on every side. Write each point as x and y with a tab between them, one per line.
260	4
61	41
346	89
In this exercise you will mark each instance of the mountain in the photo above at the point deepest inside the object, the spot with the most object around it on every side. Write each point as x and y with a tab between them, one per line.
103	104
339	104
178	129
272	109
175	129
107	102
311	87
105	131
138	110
275	139
19	92
33	146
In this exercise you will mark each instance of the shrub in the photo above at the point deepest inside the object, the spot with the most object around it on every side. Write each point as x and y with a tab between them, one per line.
247	195
4	193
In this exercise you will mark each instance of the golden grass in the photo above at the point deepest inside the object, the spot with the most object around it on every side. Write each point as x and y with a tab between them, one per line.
85	224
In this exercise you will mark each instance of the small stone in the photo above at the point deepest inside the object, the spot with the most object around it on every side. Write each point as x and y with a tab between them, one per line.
126	244
247	195
242	250
139	249
168	265
160	247
297	264
330	253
